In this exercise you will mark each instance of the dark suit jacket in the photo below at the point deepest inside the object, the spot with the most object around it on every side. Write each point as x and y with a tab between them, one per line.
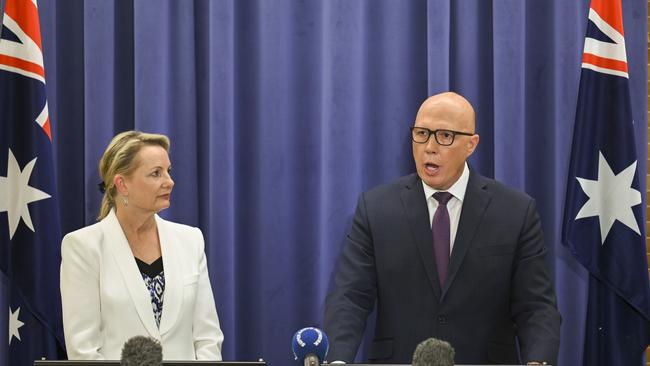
498	287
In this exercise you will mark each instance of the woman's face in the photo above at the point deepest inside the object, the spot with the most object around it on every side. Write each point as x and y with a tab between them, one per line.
149	187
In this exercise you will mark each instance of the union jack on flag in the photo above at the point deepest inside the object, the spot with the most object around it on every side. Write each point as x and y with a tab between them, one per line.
603	218
29	225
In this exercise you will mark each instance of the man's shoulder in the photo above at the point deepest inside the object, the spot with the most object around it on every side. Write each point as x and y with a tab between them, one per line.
476	181
409	181
496	188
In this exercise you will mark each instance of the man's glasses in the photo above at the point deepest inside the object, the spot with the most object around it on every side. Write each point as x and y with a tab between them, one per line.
421	135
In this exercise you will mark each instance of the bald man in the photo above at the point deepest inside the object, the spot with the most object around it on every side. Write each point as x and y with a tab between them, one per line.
445	253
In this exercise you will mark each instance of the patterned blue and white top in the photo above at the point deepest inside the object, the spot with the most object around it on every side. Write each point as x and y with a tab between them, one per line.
154	278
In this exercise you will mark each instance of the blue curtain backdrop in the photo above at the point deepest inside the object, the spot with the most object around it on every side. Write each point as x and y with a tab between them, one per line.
282	112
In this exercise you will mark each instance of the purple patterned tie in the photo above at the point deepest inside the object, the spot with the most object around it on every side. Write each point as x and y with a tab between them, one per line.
440	229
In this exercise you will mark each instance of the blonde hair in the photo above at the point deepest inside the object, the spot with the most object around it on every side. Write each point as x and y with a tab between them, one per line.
119	158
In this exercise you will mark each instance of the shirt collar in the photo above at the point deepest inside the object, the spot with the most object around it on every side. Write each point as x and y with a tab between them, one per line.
457	189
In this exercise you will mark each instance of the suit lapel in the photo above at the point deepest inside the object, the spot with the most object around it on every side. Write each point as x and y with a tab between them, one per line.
417	213
173	287
476	201
119	248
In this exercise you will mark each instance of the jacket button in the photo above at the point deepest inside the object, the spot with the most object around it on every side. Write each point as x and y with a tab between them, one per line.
442	319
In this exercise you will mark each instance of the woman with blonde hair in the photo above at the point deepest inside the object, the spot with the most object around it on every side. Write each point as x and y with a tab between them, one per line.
134	273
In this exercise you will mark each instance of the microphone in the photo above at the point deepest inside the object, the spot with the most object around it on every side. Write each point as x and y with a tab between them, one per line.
310	345
141	351
433	352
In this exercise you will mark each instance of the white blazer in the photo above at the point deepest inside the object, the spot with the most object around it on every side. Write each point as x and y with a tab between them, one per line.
105	301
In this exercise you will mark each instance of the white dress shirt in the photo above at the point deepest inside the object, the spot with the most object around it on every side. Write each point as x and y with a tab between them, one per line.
454	206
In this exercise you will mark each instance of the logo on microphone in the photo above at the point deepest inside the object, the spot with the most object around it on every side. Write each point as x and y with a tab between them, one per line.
319	338
309	342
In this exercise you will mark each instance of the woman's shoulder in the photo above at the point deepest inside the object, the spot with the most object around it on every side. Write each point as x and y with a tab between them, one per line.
183	232
178	236
85	232
82	243
176	226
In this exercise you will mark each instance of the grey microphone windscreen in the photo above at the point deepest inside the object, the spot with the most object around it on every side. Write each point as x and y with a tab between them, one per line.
141	351
433	352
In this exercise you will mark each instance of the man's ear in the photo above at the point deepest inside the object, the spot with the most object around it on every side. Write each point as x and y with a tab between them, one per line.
472	144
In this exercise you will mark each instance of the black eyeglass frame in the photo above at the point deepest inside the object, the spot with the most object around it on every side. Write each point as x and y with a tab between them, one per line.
435	135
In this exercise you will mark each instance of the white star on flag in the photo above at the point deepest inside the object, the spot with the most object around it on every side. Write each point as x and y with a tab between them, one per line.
14	324
611	197
16	194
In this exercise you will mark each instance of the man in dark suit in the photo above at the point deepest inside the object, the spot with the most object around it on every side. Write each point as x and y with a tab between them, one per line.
445	253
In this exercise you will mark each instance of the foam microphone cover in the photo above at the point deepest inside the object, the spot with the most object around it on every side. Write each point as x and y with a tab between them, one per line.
433	352
309	341
141	351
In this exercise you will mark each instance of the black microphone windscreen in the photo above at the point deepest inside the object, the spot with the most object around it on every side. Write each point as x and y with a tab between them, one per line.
141	351
433	352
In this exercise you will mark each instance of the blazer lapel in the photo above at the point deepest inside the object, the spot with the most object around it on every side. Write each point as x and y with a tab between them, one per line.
172	299
417	213
476	201
119	248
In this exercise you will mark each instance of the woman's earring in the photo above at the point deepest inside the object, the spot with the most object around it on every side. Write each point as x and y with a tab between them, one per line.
125	200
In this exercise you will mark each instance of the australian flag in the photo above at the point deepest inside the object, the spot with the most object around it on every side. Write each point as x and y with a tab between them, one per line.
603	218
29	226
